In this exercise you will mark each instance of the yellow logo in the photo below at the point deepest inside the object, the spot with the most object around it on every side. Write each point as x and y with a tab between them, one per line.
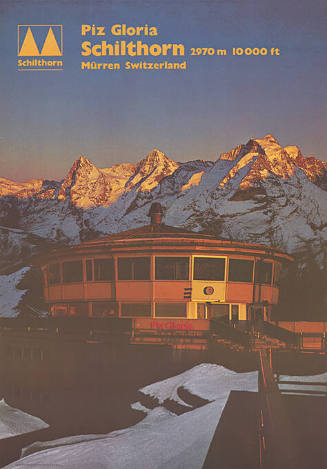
40	41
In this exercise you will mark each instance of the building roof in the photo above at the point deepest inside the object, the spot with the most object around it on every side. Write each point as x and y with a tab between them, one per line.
160	237
163	238
154	231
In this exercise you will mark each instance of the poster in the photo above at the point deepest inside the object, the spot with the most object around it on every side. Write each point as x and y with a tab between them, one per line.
217	111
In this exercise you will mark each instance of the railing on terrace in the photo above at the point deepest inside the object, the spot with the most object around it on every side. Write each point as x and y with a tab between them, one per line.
271	330
276	438
312	342
65	324
226	330
219	329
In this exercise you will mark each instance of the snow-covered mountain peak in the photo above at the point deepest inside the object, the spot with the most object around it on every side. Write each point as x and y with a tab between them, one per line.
270	138
268	141
261	158
76	183
151	170
232	154
295	153
82	164
315	169
237	153
276	159
19	189
156	153
83	159
156	158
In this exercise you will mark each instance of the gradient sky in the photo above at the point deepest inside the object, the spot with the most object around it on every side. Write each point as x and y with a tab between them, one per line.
48	119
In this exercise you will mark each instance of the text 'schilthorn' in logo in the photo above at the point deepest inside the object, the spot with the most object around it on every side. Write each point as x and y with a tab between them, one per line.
37	42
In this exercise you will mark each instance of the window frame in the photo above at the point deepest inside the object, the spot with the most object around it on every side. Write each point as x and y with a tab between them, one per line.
210	310
106	306
242	260
257	279
48	274
277	273
94	269
208	257
132	271
63	272
172	304
187	258
130	303
76	304
87	261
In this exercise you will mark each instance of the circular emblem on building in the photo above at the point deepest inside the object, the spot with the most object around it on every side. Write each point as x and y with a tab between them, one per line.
208	290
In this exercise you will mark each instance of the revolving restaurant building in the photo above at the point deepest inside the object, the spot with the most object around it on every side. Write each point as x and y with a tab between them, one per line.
158	271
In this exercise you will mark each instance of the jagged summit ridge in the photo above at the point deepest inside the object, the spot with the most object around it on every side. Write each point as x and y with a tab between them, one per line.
85	185
76	183
88	186
270	138
152	169
156	160
197	194
156	157
259	192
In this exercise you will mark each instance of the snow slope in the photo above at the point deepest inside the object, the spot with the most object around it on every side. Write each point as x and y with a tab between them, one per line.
162	440
10	295
258	191
14	422
207	381
304	384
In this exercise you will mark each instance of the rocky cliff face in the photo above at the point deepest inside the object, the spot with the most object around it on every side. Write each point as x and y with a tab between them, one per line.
257	192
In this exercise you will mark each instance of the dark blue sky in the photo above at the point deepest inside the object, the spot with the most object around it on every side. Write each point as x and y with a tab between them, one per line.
48	119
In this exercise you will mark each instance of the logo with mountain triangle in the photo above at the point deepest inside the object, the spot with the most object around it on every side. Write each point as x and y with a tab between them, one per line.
40	47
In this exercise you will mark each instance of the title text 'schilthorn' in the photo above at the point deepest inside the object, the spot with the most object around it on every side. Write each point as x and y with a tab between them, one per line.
131	48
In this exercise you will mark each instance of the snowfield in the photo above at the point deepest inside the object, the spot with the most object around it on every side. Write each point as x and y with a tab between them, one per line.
304	384
208	381
10	296
14	422
161	440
